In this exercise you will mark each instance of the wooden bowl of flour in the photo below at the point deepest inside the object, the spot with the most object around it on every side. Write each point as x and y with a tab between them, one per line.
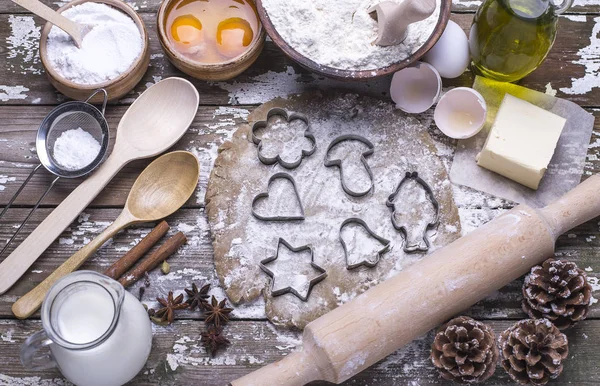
342	74
116	88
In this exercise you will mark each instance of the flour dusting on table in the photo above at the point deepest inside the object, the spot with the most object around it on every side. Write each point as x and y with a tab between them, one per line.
241	241
340	34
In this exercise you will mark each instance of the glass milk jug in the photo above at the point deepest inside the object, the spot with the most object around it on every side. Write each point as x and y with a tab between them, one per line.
509	39
97	333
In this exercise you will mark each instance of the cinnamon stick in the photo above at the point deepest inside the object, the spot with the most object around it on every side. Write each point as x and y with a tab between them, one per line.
154	259
122	265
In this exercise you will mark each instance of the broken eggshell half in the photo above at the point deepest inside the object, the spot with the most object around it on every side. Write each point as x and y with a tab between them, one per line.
461	113
416	88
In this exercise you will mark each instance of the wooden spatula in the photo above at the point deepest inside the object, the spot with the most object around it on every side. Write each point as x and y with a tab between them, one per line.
75	31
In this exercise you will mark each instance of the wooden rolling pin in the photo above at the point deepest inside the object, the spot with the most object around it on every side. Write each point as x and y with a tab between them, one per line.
360	333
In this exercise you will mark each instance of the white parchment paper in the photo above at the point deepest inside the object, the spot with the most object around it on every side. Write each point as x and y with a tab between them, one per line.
566	167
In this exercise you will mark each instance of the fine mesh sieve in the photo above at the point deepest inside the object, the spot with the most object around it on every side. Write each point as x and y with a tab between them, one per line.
67	116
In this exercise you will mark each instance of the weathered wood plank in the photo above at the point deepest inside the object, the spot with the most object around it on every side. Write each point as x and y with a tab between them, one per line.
178	357
147	6
194	262
211	127
24	82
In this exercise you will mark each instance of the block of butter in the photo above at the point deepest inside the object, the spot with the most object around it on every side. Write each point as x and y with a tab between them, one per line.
521	142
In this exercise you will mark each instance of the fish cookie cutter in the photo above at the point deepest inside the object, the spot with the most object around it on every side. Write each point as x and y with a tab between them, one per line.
290	289
414	176
365	262
265	195
338	162
289	117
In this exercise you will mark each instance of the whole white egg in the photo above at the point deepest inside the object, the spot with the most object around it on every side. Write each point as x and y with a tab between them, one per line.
450	55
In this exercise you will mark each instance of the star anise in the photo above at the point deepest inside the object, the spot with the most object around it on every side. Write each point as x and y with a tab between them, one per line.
170	305
213	339
197	297
217	312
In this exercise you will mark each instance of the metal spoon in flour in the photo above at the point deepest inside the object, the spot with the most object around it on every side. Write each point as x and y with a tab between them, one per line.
75	30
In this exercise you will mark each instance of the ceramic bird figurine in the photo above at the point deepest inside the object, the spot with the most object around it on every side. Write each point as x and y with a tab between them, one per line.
393	18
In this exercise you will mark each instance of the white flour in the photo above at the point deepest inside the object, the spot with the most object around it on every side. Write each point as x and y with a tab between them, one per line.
108	50
75	149
340	34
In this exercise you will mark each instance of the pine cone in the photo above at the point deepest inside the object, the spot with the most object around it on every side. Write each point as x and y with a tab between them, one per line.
464	350
558	291
532	351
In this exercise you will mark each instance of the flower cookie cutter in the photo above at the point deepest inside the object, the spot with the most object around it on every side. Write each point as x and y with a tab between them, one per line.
414	176
288	116
365	262
290	289
338	162
265	195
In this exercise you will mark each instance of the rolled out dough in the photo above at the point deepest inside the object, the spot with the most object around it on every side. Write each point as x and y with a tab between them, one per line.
240	241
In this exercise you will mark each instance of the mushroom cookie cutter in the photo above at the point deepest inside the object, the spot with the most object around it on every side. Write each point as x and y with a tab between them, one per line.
414	176
290	289
365	262
265	195
289	117
363	159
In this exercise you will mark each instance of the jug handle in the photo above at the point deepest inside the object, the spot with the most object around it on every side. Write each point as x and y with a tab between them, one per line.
562	7
31	357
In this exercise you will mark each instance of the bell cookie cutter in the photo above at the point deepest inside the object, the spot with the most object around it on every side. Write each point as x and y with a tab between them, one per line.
365	262
290	289
430	196
265	195
276	111
363	159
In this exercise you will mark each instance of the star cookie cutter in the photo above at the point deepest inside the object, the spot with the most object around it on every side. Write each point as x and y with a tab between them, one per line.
288	116
290	289
365	262
430	196
265	195
363	159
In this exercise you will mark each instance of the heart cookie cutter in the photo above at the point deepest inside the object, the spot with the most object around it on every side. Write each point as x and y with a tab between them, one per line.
414	176
264	195
288	116
365	262
363	159
290	289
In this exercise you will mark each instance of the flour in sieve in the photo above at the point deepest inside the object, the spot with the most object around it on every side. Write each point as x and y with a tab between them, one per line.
107	50
340	34
75	149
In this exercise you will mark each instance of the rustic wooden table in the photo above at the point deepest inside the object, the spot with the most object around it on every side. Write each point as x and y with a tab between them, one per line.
26	97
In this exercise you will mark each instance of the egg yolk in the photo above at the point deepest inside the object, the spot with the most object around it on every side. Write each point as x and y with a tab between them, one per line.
186	29
233	35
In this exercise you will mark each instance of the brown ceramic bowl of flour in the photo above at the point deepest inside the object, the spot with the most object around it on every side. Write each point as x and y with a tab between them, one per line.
116	87
353	73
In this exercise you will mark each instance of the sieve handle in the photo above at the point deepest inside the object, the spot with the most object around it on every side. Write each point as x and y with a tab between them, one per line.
17	263
37	204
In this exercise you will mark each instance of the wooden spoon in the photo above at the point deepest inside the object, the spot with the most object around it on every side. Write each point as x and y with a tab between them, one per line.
393	18
153	123
75	30
162	188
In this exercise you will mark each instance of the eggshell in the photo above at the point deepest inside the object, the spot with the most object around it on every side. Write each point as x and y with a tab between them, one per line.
450	55
416	88
461	113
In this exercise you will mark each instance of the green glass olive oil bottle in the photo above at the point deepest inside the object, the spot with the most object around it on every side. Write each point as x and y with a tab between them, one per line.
509	39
